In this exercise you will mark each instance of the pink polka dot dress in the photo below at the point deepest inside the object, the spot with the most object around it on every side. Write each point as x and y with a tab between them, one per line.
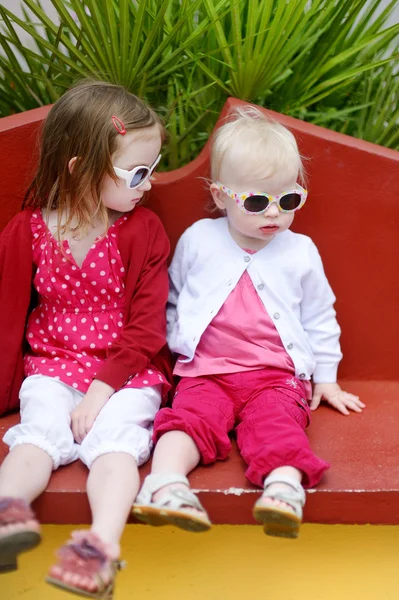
80	312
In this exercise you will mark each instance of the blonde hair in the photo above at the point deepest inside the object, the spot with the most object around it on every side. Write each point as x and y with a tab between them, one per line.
257	145
80	125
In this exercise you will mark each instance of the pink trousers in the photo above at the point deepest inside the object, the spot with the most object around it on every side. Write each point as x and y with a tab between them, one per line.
266	408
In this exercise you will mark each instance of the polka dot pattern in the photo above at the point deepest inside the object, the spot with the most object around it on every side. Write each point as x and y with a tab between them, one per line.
73	326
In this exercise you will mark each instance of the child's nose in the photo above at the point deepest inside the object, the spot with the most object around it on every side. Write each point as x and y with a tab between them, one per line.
146	186
272	211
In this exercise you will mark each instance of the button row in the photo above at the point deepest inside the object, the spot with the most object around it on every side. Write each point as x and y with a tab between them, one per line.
277	316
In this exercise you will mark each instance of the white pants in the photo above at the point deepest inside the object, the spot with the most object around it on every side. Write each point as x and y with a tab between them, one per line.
123	425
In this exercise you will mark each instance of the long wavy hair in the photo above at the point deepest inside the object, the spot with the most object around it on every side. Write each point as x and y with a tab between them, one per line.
80	125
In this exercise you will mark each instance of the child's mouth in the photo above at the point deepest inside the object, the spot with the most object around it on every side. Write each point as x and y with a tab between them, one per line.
270	228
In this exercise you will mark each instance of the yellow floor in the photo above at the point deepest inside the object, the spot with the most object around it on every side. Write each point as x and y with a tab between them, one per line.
234	562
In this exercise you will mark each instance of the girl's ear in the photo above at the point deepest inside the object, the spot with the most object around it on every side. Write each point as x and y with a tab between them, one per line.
72	163
218	196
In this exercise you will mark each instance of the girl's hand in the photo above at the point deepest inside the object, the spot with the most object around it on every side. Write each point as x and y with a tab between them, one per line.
84	415
332	393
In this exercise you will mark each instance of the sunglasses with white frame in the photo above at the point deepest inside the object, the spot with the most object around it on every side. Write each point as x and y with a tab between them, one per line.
137	176
256	203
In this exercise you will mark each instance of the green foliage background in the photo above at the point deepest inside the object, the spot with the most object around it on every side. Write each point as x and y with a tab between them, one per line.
330	62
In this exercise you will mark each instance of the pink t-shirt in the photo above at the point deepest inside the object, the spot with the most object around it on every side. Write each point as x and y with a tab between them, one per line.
80	311
241	337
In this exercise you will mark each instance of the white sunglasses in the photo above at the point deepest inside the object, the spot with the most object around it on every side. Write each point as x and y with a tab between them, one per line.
137	176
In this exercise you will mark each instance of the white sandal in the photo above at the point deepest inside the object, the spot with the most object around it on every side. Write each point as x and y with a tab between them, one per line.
276	520
175	506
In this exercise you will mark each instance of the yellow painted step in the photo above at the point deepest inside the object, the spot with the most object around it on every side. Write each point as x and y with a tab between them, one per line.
327	562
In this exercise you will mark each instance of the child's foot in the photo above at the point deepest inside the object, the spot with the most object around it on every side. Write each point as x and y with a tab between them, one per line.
280	506
19	531
86	566
168	500
270	499
163	493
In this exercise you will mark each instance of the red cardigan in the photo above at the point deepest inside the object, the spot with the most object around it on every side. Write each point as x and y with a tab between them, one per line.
144	248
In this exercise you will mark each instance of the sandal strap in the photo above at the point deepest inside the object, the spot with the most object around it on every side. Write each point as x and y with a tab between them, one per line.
15	510
176	499
172	499
297	494
88	551
287	496
87	557
105	589
153	483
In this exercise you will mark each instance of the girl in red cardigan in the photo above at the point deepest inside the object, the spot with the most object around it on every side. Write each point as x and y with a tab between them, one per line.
95	328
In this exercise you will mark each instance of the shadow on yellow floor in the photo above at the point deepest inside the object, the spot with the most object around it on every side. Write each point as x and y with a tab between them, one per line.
328	562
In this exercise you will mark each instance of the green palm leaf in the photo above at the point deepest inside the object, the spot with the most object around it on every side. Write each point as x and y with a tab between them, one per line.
329	61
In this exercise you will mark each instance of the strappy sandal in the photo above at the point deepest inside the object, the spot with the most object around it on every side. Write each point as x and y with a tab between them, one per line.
15	511
175	506
86	557
279	521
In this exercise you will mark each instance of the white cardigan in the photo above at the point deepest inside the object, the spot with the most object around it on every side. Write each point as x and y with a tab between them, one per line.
288	276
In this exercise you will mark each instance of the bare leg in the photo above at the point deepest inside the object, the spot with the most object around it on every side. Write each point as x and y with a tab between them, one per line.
175	452
112	485
24	474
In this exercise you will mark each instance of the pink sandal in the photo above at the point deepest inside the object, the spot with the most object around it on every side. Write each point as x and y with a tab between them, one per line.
86	555
15	511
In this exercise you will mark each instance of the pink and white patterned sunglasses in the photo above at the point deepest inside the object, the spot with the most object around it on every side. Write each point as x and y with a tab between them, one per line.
256	203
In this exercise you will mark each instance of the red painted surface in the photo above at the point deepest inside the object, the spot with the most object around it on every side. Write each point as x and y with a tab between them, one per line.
353	216
18	158
362	485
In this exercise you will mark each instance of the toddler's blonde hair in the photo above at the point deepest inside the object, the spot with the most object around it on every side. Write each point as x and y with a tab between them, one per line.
256	145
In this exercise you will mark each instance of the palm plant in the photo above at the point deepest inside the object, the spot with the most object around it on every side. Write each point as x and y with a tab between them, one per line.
378	120
320	60
296	56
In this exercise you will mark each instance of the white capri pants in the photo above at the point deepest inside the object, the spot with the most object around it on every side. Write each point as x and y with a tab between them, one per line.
124	424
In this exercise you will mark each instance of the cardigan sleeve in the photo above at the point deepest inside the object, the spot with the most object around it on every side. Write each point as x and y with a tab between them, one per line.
15	247
319	320
144	334
176	282
182	261
16	272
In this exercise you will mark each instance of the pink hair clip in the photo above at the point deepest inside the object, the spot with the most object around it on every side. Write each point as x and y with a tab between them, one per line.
119	126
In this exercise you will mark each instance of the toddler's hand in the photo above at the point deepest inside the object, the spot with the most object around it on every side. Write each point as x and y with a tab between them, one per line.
84	415
332	393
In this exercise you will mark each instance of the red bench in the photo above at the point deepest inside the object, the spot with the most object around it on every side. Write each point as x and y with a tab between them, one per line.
353	216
